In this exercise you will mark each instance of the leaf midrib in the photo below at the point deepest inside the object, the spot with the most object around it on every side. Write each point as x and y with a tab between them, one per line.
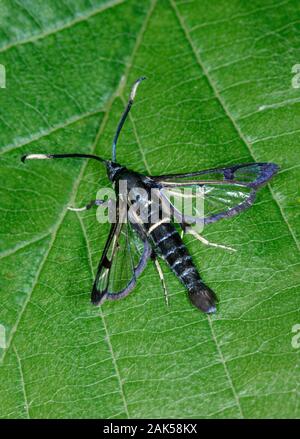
110	346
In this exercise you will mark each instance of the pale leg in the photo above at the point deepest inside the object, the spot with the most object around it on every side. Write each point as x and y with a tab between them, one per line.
206	242
162	279
87	207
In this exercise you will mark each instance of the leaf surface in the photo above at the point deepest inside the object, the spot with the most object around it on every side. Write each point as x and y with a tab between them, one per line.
218	92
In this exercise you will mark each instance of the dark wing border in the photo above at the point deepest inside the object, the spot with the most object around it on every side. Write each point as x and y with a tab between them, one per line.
97	297
265	172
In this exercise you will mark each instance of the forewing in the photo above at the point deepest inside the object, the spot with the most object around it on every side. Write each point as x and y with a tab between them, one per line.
124	258
213	194
250	174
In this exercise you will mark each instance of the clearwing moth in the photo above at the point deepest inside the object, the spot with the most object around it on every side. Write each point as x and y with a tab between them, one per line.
132	242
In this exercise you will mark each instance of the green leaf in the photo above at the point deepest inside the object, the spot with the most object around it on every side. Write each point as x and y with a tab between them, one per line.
218	92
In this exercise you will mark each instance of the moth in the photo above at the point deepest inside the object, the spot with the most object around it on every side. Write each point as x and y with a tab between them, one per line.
132	242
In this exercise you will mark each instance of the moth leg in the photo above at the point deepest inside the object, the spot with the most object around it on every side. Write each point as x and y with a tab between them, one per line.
87	207
206	242
162	279
184	228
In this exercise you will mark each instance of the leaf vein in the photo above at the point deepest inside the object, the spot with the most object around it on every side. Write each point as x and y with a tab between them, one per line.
26	405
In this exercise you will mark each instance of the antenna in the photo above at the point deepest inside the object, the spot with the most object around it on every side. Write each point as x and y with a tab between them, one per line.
124	115
60	156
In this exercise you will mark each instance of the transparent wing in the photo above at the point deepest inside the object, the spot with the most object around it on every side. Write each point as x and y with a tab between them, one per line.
250	174
124	258
207	203
210	195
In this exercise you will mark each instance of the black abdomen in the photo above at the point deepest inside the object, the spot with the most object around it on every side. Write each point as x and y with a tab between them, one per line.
169	245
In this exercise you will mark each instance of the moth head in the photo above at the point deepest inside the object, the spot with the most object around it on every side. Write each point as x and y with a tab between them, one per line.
113	168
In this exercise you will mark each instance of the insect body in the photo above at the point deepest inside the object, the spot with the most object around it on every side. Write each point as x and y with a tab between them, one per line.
175	253
134	238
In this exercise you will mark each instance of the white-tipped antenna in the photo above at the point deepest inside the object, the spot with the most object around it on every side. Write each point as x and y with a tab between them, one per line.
61	156
36	157
124	115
